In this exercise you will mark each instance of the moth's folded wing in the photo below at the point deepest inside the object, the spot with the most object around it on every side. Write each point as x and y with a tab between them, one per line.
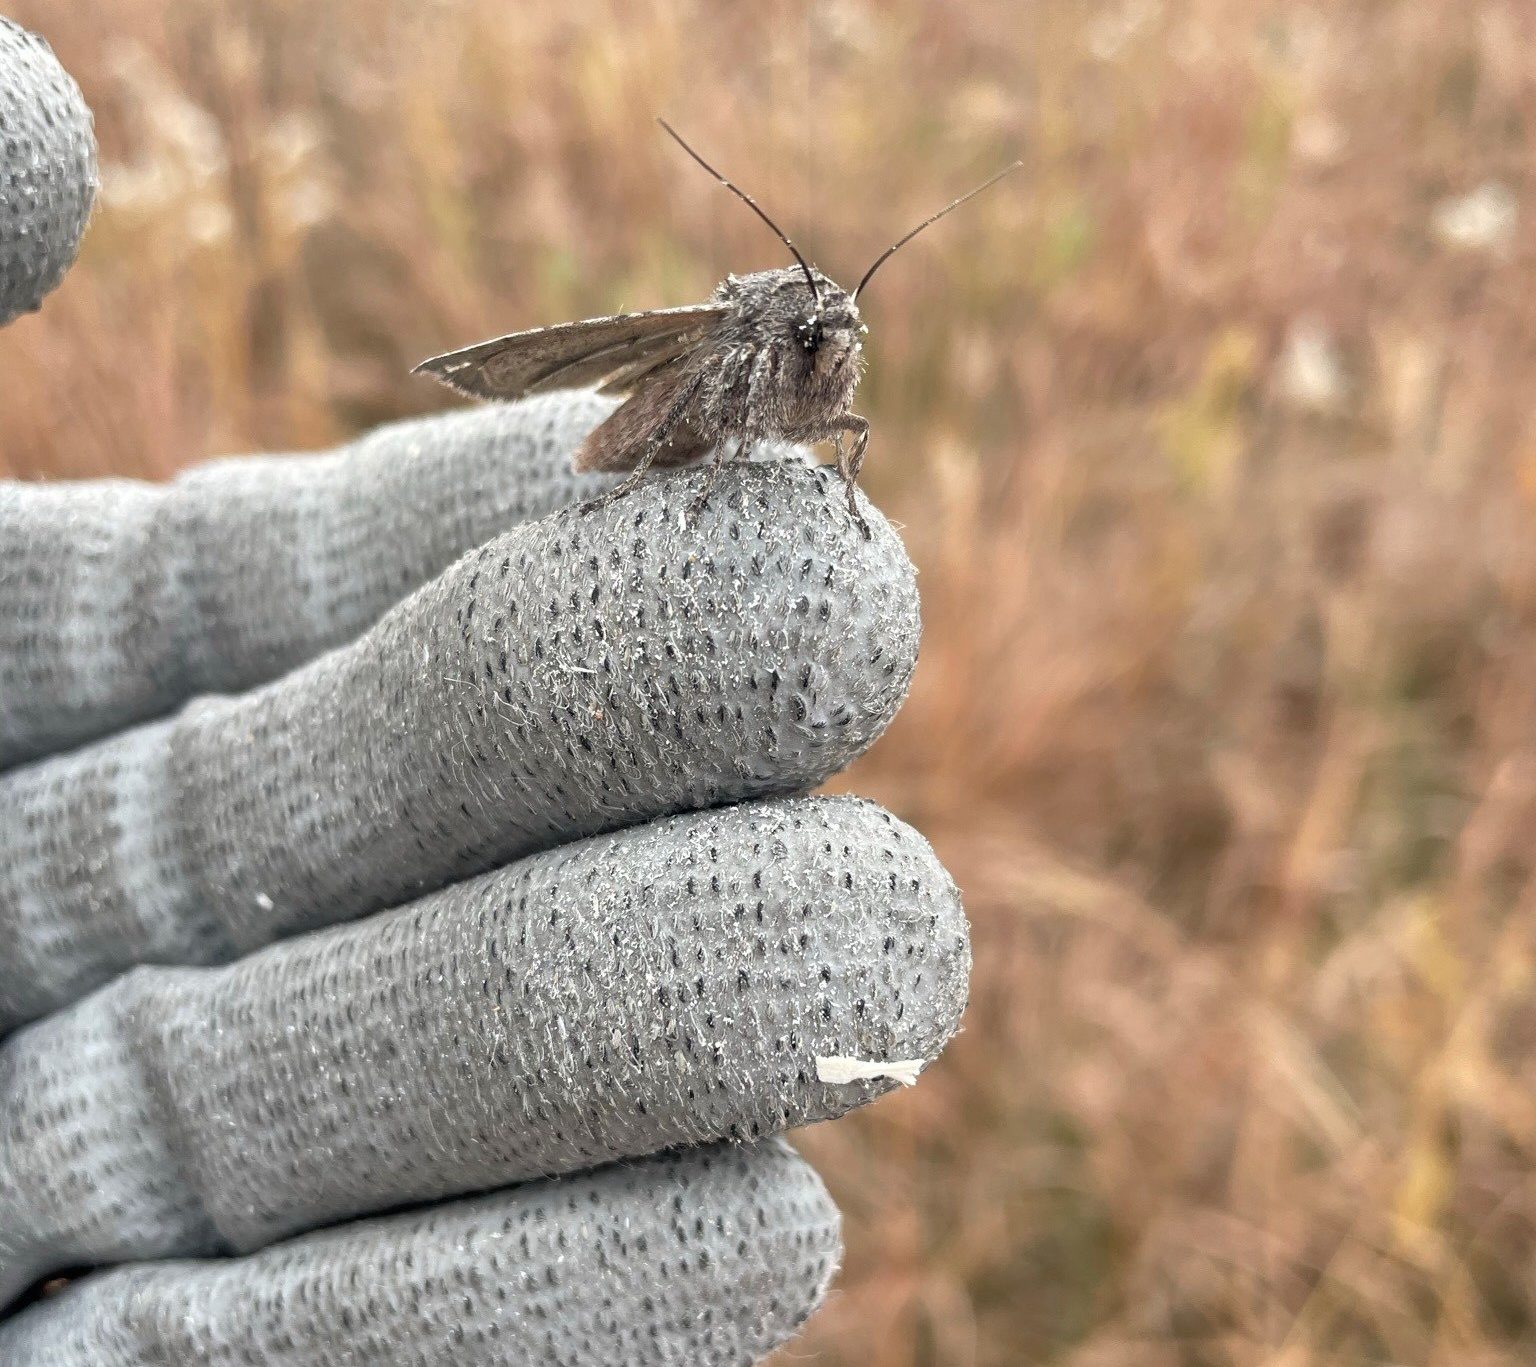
647	423
571	355
620	368
647	366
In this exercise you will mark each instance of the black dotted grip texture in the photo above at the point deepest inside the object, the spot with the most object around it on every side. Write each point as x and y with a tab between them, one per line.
119	599
671	984
558	991
578	674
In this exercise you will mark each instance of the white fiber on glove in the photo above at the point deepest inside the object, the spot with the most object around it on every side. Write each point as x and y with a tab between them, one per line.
672	984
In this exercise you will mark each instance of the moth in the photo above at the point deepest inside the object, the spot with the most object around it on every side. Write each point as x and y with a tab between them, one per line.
775	355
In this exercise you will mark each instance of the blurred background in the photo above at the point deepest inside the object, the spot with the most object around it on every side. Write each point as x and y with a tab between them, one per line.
1213	435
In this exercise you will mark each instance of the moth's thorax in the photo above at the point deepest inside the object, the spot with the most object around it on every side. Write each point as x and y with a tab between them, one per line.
807	359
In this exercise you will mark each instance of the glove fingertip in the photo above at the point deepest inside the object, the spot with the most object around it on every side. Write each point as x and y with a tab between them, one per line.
47	170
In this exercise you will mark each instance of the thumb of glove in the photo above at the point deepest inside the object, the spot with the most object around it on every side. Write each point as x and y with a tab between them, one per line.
47	170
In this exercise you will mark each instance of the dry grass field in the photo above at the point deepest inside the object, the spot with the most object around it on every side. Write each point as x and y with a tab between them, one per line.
1213	435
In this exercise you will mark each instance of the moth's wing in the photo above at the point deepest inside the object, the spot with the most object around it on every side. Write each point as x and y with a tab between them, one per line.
631	375
569	355
620	440
617	367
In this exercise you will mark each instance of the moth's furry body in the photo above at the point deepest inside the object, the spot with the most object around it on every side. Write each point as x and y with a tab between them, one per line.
748	376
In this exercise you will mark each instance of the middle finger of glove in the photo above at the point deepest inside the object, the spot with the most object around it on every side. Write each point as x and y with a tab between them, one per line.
706	976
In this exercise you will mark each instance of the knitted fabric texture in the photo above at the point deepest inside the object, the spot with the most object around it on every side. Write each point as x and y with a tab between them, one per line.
47	170
713	1256
672	984
119	600
577	674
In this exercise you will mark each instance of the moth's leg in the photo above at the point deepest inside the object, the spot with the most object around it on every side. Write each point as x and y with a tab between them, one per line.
717	462
849	463
625	486
653	446
737	414
860	430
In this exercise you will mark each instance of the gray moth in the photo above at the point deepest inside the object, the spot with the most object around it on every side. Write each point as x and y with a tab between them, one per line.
772	356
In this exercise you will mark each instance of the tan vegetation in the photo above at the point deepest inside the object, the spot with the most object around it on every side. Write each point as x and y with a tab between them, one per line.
1212	436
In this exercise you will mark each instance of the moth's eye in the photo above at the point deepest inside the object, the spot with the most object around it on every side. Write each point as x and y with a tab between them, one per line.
808	333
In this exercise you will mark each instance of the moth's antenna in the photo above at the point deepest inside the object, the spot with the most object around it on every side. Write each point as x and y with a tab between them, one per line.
948	208
751	203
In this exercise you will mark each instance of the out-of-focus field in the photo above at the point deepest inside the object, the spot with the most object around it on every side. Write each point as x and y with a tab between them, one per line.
1214	437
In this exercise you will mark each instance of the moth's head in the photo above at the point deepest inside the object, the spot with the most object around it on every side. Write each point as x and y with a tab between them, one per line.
782	307
828	317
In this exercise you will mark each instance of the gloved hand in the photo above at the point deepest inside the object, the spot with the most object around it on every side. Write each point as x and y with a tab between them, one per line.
438	885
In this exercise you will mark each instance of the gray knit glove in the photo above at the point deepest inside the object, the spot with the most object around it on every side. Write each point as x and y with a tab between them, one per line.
437	872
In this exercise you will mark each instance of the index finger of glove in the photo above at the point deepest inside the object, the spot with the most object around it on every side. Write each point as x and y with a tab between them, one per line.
119	600
576	675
